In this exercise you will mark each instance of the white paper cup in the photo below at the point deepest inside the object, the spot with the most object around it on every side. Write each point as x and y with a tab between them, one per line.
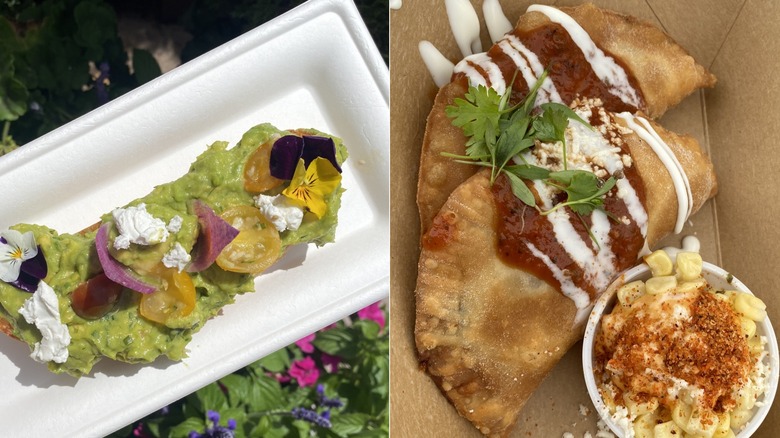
719	279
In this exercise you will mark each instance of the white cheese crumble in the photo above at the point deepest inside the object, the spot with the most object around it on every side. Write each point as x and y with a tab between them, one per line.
175	224
42	310
137	226
284	215
177	257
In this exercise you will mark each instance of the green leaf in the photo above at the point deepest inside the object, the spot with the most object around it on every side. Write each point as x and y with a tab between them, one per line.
511	142
211	397
13	99
237	388
145	66
478	115
277	361
265	393
95	24
369	329
520	190
528	171
336	342
349	423
183	429
565	110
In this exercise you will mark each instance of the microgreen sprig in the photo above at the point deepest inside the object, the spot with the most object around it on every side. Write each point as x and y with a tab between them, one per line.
497	132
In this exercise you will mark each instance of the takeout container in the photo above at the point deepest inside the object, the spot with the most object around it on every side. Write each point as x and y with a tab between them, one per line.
315	66
736	123
719	279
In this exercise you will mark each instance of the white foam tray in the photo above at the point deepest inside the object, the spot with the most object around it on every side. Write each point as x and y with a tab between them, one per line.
315	66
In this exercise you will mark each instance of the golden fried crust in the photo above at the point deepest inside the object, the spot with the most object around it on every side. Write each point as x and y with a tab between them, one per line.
487	333
663	70
661	201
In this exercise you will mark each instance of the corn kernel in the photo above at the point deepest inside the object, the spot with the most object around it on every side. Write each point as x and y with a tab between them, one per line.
748	326
629	292
689	265
659	285
750	306
659	263
690	286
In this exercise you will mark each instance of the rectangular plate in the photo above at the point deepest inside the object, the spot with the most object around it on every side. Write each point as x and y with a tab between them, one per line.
315	66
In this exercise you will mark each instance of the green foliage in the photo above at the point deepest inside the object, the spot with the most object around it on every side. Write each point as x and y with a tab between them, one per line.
497	133
45	51
261	404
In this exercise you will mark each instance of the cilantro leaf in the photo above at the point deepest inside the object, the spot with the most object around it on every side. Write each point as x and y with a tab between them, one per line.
478	115
527	171
520	190
583	193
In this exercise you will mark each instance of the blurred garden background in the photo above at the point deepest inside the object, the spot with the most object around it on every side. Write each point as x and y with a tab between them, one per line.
60	59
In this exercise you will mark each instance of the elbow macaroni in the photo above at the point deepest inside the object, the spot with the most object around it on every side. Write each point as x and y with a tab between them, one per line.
686	418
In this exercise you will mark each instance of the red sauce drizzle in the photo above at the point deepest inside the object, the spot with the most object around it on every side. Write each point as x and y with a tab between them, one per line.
571	73
518	225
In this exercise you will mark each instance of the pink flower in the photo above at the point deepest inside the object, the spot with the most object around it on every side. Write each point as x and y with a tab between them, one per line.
374	313
281	378
305	343
305	371
331	363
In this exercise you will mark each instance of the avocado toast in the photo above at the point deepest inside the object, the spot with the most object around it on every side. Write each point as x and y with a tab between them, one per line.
149	275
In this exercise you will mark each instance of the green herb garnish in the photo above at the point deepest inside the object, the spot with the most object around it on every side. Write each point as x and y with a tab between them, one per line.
497	132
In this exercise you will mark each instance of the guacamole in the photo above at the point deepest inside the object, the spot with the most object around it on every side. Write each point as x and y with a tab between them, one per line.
215	178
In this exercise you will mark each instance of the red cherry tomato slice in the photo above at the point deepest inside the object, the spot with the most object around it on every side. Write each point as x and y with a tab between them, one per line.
95	297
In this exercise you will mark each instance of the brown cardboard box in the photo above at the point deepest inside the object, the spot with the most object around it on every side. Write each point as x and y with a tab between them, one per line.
736	123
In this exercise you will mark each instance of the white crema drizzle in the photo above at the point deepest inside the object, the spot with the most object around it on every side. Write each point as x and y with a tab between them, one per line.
682	186
464	24
605	67
482	60
587	150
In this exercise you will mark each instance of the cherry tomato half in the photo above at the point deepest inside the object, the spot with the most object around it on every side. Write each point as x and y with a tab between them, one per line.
257	245
95	297
257	170
175	297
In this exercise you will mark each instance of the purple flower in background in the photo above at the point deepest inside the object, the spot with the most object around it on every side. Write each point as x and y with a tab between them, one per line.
374	313
215	431
305	343
101	82
305	371
328	402
311	416
330	363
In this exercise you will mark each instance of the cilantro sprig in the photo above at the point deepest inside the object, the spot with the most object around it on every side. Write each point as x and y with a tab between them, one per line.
498	132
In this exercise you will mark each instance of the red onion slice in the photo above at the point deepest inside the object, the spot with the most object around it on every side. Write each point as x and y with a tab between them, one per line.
114	270
215	234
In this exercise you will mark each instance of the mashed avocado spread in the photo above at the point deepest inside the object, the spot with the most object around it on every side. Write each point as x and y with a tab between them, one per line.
215	178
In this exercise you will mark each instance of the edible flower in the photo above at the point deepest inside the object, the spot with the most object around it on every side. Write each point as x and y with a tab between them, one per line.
311	184
21	262
287	150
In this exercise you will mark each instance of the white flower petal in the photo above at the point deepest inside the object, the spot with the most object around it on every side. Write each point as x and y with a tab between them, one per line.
29	246
9	270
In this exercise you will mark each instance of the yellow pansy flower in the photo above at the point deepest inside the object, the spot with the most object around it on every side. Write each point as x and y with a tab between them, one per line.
309	186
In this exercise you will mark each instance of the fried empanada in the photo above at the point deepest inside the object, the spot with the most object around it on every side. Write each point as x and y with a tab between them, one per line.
645	69
503	291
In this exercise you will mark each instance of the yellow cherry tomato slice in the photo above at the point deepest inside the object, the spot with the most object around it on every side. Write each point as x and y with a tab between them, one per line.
175	298
257	245
257	170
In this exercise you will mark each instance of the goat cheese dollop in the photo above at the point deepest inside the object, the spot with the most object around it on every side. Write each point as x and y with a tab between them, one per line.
136	225
42	310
